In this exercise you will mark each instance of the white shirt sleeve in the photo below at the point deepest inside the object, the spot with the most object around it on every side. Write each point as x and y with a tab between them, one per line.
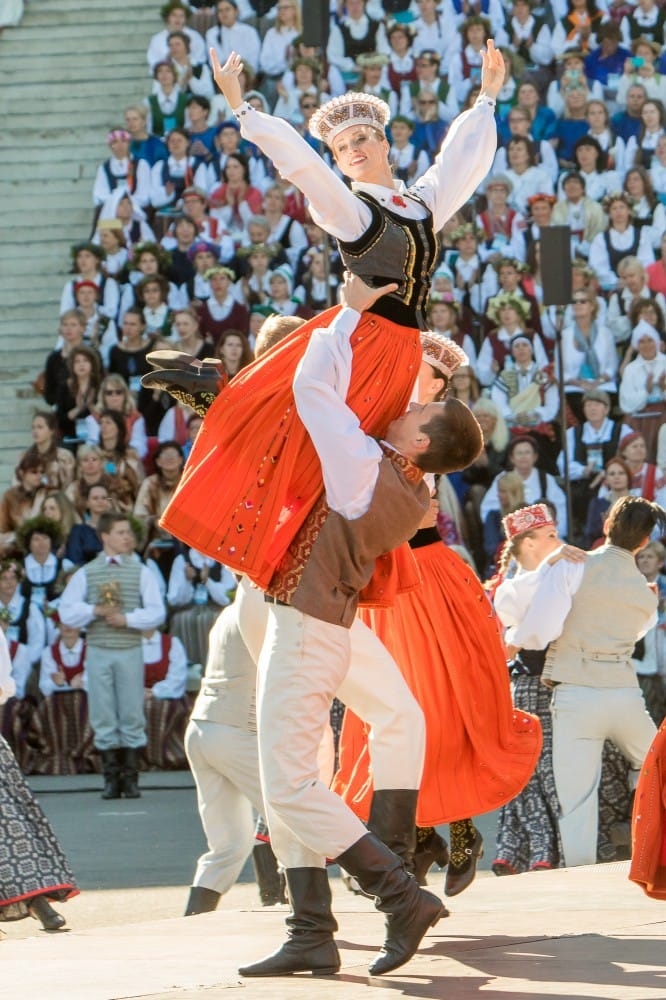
335	208
173	685
464	159
544	619
153	612
349	458
74	610
7	685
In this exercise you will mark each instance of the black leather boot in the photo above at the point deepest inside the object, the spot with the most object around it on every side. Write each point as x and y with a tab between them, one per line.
111	772
196	388
129	773
201	900
466	849
393	819
431	850
309	946
41	910
270	881
409	910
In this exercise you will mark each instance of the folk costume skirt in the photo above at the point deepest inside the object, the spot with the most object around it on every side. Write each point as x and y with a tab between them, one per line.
253	475
32	862
480	751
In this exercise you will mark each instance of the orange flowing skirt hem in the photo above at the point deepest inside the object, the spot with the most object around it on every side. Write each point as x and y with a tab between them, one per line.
480	751
253	475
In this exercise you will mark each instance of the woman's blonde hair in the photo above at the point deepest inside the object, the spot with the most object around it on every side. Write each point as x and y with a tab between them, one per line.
515	487
115	382
499	438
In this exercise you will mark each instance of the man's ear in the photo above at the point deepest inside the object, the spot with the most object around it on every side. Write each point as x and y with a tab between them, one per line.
421	442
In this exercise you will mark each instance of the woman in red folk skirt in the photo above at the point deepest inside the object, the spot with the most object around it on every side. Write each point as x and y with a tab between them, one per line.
253	475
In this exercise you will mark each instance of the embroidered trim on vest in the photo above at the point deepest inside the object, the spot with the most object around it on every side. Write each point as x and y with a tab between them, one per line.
288	575
411	472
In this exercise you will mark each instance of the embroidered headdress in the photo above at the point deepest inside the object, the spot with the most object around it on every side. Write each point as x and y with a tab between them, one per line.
536	515
442	352
349	109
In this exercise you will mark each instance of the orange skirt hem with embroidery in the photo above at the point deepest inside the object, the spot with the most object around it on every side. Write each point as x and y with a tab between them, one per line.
480	751
253	474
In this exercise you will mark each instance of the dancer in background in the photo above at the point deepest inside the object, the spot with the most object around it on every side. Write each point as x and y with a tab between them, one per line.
33	869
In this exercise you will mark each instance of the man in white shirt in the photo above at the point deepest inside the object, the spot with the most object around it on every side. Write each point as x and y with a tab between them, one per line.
593	613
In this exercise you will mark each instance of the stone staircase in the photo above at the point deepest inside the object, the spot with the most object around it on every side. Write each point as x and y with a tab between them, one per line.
66	74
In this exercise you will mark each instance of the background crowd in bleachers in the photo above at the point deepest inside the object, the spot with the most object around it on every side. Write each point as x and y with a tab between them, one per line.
195	239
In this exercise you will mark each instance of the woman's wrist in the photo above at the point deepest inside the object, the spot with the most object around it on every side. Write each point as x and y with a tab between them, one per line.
485	98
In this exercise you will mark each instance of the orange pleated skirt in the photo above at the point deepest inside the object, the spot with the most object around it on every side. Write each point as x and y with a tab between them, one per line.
480	751
648	823
253	475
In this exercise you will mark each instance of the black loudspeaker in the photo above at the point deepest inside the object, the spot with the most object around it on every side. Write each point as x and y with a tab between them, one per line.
316	18
555	246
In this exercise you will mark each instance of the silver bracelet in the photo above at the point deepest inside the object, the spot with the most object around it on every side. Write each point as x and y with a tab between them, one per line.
484	99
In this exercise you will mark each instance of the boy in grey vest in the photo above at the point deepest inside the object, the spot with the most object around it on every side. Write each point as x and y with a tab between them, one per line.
115	598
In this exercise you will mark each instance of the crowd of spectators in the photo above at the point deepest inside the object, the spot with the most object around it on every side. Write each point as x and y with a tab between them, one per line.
195	239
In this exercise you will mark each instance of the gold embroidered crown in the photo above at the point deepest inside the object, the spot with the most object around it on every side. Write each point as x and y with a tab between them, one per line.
349	109
442	352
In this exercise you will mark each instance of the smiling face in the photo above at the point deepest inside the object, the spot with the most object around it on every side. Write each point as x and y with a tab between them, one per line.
361	153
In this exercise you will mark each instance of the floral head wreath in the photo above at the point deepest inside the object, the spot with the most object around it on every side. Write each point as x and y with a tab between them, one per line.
511	262
270	249
347	110
212	271
467	229
40	525
162	256
499	302
617	196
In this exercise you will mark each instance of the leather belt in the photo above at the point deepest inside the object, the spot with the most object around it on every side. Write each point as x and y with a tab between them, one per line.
275	600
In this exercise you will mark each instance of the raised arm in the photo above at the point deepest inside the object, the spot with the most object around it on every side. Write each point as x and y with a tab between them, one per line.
468	150
332	204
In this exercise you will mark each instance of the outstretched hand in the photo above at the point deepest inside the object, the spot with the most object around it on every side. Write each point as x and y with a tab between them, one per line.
227	77
493	71
357	295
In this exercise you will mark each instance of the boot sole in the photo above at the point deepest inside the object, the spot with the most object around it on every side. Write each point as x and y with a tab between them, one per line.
442	912
331	971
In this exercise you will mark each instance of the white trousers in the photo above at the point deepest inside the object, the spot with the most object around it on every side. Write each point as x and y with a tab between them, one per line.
304	663
225	765
583	717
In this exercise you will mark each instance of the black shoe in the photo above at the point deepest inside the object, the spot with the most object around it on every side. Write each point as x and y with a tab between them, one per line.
201	900
466	849
270	881
431	850
170	360
409	910
40	908
129	773
309	946
111	772
196	389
